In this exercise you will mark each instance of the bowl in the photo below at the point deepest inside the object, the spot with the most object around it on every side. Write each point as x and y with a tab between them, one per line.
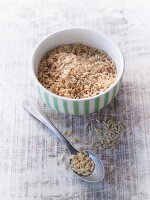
89	37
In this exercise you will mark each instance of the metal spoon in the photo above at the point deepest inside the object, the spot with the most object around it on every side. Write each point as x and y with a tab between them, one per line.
98	173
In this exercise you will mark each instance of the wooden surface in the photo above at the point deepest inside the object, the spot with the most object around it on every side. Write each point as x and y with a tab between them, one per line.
26	170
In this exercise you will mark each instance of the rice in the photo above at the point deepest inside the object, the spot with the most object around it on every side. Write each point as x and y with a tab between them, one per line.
76	71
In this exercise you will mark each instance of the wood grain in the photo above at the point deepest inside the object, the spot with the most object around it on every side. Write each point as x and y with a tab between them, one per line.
26	170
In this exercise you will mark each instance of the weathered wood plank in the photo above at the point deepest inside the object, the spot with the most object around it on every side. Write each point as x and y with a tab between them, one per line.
26	170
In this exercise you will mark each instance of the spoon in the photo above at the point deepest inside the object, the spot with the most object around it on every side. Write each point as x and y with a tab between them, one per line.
35	110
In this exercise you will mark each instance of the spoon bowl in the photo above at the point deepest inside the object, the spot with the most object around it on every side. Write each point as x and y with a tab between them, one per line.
99	171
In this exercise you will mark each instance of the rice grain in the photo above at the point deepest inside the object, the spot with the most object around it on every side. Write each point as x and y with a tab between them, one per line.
76	71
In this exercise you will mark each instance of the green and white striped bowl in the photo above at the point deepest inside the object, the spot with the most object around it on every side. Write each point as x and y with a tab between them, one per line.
76	35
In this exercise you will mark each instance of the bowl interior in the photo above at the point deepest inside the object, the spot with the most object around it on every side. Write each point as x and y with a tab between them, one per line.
76	35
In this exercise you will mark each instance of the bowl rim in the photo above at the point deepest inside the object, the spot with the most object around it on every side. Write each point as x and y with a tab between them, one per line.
76	28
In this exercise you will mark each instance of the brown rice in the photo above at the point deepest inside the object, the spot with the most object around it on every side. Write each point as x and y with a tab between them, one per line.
76	71
82	164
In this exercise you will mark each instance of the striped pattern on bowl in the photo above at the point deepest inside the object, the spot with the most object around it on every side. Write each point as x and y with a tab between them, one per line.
75	107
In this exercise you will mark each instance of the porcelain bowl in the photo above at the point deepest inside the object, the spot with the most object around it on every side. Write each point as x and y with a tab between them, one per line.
89	37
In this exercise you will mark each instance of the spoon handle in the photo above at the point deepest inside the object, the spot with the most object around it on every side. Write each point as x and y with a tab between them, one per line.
35	110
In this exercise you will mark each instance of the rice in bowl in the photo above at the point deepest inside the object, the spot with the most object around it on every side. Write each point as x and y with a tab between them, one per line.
76	71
